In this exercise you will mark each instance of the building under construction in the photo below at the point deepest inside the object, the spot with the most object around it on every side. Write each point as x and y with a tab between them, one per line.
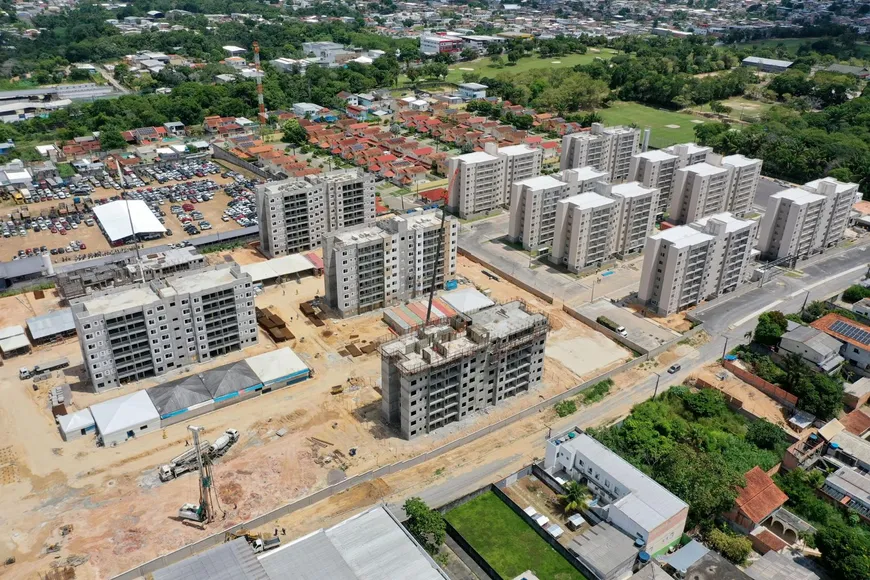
438	374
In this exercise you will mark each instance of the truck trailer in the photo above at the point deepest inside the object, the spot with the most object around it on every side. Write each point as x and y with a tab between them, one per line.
26	373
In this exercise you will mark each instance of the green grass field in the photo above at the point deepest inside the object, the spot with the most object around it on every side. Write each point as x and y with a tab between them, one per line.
625	113
506	542
482	65
792	44
742	109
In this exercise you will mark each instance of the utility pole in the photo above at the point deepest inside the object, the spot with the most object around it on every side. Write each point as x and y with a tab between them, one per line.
725	348
807	297
656	391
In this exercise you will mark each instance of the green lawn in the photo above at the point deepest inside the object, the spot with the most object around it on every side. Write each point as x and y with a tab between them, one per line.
742	109
482	65
506	542
625	113
792	44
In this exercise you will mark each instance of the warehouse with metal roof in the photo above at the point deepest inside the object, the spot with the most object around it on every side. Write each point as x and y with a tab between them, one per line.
58	323
13	341
279	368
125	417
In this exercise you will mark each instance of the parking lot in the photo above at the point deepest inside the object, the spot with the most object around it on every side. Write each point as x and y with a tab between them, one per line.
641	331
220	201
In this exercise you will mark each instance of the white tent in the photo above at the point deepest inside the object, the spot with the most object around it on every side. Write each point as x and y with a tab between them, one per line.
125	417
277	267
76	424
278	368
116	218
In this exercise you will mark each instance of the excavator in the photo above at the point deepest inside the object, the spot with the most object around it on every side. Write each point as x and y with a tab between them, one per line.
257	542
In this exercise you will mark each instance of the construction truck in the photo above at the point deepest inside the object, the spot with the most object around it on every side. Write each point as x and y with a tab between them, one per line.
187	461
182	463
26	373
257	542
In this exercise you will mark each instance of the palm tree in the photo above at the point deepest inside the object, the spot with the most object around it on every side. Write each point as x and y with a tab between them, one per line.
575	496
794	368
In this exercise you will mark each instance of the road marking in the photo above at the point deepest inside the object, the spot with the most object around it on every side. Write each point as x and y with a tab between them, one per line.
755	314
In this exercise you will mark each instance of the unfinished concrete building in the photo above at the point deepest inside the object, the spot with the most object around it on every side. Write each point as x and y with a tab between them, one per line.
149	329
381	265
296	213
438	374
78	283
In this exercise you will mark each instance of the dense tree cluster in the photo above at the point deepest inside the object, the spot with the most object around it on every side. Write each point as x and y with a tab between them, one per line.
800	147
559	90
695	446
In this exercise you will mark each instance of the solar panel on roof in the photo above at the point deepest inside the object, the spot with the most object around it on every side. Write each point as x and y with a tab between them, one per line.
851	331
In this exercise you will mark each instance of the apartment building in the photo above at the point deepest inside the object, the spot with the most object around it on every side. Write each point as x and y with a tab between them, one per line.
688	153
840	197
476	183
149	329
626	497
521	162
637	207
745	173
684	265
480	182
586	229
533	210
371	267
445	372
699	190
533	203
730	260
656	169
296	213
605	148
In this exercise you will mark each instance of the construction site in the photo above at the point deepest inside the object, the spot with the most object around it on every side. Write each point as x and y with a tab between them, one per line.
126	504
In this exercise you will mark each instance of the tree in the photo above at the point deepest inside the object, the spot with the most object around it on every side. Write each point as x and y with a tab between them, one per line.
496	61
845	551
575	497
294	132
493	49
468	54
706	403
735	548
111	139
765	435
855	293
427	525
771	325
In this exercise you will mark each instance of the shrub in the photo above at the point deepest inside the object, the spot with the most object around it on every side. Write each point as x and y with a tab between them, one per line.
854	293
765	435
596	392
734	548
566	407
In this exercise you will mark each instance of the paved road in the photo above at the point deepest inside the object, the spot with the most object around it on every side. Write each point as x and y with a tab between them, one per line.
111	79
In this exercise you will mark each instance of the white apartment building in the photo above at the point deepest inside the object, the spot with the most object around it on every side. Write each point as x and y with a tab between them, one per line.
480	182
533	210
803	221
586	228
296	213
533	203
656	169
699	190
684	265
605	148
153	328
688	153
521	162
745	173
476	183
371	267
637	209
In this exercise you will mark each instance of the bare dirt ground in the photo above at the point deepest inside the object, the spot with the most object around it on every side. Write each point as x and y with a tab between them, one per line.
93	237
123	515
677	321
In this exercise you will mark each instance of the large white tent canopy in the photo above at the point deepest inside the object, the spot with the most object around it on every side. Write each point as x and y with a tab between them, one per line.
121	219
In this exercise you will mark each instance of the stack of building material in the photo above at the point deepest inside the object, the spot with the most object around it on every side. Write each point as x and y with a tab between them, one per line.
274	325
402	319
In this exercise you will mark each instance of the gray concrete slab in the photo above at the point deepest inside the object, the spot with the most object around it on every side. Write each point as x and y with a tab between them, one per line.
641	331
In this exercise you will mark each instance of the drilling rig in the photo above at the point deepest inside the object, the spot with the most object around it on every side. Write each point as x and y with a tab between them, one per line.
261	115
205	511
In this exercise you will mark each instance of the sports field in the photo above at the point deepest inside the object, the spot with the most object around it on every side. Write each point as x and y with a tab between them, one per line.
506	542
668	127
483	65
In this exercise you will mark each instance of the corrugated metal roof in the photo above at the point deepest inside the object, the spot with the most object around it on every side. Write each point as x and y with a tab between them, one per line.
177	395
231	561
22	267
230	378
55	322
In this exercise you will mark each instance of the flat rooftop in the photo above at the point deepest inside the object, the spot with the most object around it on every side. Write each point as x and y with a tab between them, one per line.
503	319
588	200
119	299
541	182
775	566
798	196
586	173
516	150
732	224
739	160
360	235
841	186
198	281
705	168
477	157
631	189
656	155
853	445
850	482
683	236
603	548
691	148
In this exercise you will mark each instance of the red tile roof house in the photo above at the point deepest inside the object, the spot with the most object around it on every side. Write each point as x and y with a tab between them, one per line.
755	501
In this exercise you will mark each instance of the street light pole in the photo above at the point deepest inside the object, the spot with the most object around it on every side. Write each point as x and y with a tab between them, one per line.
725	349
807	297
658	378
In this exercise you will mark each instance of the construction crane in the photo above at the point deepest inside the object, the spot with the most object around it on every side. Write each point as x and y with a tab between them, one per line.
205	511
438	250
260	102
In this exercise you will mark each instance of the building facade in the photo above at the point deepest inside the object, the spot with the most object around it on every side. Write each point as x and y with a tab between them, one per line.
699	190
586	231
476	183
745	173
605	148
149	329
637	210
655	169
447	371
533	210
371	267
295	213
684	265
521	162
